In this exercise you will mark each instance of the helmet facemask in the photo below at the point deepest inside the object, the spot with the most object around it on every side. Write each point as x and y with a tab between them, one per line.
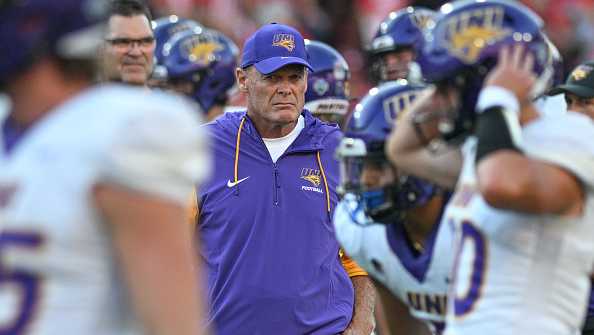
383	193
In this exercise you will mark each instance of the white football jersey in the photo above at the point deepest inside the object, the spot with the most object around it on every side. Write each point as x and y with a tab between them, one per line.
419	281
58	274
4	106
517	273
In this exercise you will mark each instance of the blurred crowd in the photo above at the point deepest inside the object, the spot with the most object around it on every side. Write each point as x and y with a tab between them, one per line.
348	25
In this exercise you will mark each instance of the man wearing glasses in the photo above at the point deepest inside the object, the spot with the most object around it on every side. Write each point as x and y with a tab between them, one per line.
129	43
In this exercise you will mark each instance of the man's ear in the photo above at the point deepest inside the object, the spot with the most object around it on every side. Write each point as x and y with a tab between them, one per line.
241	77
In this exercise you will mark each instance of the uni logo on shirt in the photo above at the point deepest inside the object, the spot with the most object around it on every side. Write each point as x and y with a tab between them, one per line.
286	41
313	177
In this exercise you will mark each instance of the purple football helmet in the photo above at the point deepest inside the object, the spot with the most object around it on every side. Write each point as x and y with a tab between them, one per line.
34	28
383	193
207	59
163	29
463	47
327	94
400	30
557	63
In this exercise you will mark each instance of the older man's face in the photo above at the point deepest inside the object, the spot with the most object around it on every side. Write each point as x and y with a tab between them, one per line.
277	97
129	49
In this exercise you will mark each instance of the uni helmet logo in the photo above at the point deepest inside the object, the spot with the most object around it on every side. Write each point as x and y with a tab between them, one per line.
201	51
286	41
421	20
468	33
395	106
581	72
311	175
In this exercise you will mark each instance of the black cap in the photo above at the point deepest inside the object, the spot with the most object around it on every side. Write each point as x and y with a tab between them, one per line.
580	82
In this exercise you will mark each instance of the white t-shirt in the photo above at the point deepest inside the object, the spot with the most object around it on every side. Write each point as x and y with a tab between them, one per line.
277	146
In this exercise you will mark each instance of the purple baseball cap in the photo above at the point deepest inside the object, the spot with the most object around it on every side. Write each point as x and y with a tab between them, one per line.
273	46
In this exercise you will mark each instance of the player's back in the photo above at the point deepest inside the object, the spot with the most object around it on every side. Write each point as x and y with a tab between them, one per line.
518	273
59	273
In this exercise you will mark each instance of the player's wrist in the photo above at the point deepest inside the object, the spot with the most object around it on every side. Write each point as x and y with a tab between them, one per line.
492	96
498	125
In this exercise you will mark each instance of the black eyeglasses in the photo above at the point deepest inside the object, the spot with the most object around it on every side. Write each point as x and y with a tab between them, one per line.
124	43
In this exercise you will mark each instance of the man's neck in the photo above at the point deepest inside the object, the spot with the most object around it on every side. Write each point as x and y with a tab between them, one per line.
268	129
32	102
419	221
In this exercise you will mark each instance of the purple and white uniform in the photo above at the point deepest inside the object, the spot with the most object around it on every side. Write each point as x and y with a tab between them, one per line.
517	273
58	272
419	281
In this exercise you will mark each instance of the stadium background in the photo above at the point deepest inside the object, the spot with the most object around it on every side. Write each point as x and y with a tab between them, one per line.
348	25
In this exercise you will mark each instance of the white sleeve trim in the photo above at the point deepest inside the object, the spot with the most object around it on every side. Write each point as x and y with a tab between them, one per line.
492	96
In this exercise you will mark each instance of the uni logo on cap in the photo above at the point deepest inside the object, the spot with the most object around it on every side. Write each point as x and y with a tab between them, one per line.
286	41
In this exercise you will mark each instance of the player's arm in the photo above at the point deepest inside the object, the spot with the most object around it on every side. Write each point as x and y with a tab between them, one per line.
407	145
153	243
142	193
510	180
398	318
507	177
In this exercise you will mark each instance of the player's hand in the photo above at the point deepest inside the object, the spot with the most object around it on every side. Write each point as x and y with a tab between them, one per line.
433	106
514	72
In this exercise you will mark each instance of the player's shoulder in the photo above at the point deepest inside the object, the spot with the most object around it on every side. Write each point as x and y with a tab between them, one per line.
116	116
569	128
134	102
119	113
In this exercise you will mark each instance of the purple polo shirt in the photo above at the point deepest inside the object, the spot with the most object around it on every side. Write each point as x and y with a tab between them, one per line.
268	241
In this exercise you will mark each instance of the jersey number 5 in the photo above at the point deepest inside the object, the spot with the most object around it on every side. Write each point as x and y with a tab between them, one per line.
17	283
